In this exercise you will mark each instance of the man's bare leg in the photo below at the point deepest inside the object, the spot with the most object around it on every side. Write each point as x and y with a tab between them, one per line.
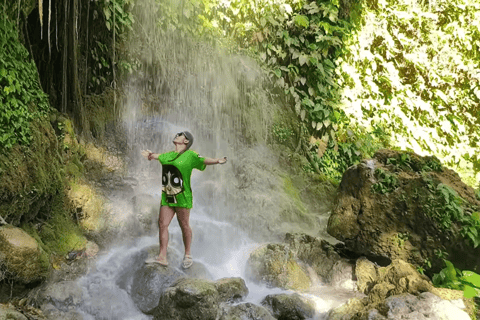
164	219
183	217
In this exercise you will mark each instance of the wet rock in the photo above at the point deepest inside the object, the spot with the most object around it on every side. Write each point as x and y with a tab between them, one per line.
190	299
323	257
246	311
146	282
289	306
382	210
397	291
149	282
53	313
346	311
21	256
275	265
425	306
61	295
10	313
231	289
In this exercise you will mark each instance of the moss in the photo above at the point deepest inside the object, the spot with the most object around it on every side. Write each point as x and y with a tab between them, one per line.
293	192
59	234
83	195
30	175
297	278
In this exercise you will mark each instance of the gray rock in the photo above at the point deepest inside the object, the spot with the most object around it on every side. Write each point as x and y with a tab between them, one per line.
147	281
200	299
323	257
425	306
246	311
275	265
148	284
53	313
189	299
231	289
289	306
61	295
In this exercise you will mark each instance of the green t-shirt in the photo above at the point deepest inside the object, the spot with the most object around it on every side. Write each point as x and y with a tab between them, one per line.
176	190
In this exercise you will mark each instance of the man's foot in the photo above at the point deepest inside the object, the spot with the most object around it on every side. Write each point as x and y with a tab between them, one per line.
161	261
187	261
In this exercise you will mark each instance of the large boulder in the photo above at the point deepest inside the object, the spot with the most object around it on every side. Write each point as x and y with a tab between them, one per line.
246	311
299	262
148	281
198	299
275	265
397	291
424	306
63	295
21	256
399	205
148	284
328	261
289	306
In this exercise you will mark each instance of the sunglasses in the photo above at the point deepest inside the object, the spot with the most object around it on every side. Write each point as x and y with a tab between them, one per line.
180	134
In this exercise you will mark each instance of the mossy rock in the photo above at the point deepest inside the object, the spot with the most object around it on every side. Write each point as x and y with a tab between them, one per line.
275	265
21	256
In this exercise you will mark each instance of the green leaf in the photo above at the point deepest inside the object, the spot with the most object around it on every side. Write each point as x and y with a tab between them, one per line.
301	21
302	59
469	292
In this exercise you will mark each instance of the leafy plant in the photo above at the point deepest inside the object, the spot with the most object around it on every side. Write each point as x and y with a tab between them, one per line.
387	182
471	229
400	238
118	15
281	132
21	98
404	161
453	278
432	165
444	205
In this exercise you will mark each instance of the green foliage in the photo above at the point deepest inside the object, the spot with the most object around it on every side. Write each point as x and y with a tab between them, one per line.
21	98
118	15
387	182
432	165
453	278
471	229
446	208
281	133
400	239
444	205
403	162
414	68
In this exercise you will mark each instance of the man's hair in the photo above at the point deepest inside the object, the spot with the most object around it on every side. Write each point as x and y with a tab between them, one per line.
189	137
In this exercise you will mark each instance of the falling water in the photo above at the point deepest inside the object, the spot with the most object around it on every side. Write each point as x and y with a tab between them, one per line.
220	98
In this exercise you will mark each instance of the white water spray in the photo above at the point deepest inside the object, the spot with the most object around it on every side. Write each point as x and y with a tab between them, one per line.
219	98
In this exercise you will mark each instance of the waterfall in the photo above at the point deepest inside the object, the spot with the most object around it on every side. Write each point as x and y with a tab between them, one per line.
184	84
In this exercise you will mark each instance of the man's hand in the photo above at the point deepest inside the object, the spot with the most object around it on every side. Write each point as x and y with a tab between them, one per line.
222	160
146	154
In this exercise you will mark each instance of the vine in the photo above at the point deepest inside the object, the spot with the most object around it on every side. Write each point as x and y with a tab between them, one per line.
21	98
